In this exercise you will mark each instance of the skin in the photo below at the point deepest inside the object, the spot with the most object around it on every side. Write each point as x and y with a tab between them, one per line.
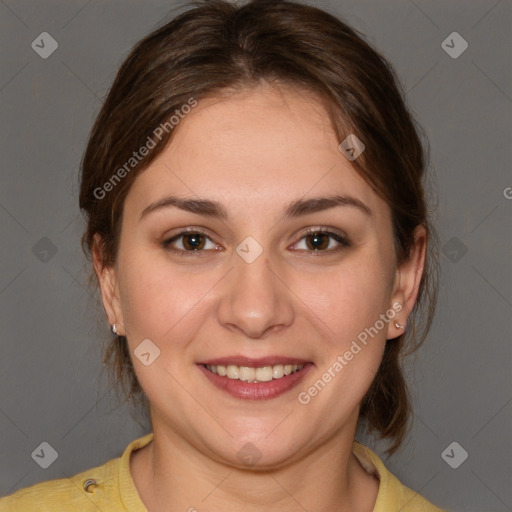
255	152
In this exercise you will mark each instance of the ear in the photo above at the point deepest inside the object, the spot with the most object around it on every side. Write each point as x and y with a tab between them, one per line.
407	282
108	282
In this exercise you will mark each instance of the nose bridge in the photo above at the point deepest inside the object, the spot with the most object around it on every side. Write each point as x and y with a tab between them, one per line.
255	300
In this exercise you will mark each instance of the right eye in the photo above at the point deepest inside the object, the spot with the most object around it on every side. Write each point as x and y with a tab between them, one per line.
191	241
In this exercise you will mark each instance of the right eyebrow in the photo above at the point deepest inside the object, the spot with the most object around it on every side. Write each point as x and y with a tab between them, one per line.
198	206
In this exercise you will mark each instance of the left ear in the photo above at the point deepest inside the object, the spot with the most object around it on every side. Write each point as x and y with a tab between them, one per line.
407	282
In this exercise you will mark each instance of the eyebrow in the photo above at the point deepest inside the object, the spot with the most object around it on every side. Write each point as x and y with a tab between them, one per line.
292	210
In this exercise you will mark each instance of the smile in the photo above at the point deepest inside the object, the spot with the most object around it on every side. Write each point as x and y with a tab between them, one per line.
255	382
254	375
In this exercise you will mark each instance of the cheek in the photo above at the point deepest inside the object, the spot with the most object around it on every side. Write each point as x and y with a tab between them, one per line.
164	304
349	298
156	296
349	303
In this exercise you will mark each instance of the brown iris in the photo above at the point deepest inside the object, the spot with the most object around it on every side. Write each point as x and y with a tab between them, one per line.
319	241
193	241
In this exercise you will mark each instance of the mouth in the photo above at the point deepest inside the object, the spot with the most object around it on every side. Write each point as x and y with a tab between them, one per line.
255	379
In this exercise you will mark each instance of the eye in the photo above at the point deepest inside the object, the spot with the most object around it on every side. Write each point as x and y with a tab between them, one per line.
319	240
190	241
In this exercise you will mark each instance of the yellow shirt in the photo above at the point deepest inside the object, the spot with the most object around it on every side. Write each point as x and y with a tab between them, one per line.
110	488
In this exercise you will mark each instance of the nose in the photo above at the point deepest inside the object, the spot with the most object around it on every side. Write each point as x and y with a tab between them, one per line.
255	299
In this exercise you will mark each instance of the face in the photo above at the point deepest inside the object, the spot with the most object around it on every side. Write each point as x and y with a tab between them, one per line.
266	276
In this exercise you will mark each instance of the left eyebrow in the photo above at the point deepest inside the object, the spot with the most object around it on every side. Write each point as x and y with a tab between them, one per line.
305	206
294	209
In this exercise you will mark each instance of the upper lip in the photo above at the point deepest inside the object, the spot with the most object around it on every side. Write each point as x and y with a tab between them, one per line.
253	362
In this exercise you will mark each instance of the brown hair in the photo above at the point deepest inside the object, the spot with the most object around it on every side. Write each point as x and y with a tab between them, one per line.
218	46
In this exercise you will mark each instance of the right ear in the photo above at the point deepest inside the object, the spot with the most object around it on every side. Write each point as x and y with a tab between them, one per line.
108	282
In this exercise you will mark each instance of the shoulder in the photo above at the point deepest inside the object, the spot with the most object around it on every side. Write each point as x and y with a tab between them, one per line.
98	488
77	493
73	494
393	494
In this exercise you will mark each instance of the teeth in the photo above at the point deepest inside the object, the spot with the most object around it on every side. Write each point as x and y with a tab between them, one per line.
277	371
248	374
233	372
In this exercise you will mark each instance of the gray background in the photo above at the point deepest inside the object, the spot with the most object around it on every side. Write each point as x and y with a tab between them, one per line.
52	329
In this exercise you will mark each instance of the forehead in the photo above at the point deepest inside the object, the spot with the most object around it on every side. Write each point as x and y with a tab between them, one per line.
266	145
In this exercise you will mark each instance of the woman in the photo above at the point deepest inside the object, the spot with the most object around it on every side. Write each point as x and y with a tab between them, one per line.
258	228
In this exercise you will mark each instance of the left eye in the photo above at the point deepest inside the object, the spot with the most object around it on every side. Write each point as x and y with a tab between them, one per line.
319	241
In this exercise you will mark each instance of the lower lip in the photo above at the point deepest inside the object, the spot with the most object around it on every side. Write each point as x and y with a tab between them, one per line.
256	391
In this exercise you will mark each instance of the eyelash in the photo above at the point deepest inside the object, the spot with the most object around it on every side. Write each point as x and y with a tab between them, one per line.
343	241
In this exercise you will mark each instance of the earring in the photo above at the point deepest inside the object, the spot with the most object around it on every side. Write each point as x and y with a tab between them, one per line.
113	328
398	326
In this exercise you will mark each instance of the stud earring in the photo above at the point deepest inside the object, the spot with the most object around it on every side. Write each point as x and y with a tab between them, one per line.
113	328
398	326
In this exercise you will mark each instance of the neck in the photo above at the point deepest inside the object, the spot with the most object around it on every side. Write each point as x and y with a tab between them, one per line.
170	474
